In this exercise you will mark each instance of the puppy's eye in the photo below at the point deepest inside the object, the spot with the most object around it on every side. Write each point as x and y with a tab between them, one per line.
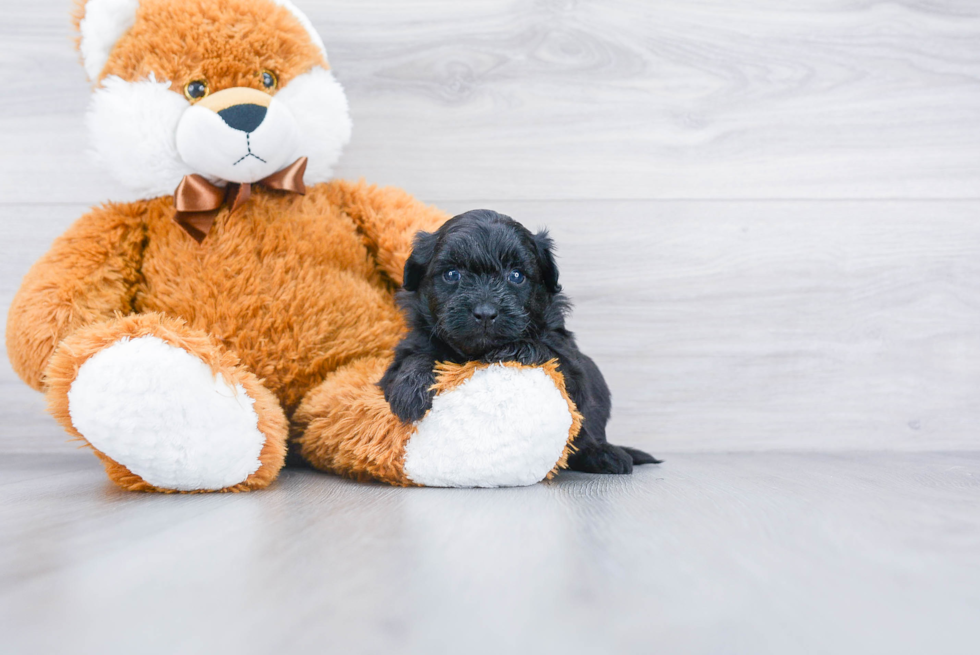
452	275
269	79
196	89
516	277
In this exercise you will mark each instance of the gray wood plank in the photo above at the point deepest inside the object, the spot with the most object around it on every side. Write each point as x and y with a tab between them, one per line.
591	99
708	553
721	325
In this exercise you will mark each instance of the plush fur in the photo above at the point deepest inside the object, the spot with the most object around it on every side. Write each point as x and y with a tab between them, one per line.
289	298
132	127
189	366
232	147
225	42
305	22
135	123
484	288
100	23
156	454
123	401
296	288
504	425
480	438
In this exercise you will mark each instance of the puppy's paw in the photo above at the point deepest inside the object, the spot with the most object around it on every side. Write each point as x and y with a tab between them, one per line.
640	457
409	400
601	458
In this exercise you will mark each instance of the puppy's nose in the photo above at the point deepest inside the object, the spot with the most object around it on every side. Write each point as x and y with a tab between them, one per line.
485	312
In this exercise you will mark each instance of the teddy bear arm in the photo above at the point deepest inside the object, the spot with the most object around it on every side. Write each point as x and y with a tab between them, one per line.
388	219
90	274
345	426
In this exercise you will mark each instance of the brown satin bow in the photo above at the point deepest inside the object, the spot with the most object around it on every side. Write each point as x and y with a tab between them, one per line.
197	201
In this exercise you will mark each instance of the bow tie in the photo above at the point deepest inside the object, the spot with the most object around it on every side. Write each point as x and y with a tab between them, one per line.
197	201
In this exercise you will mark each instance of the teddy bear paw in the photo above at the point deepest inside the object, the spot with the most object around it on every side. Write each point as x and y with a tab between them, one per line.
162	413
504	426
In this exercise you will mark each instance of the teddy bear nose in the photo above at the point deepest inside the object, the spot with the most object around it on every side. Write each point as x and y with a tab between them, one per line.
244	117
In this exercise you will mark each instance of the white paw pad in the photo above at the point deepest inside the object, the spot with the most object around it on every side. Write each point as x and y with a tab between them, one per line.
162	413
503	427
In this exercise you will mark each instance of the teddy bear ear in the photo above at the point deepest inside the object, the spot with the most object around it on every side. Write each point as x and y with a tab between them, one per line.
305	22
100	23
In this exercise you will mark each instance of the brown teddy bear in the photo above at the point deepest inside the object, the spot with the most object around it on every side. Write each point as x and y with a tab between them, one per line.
241	298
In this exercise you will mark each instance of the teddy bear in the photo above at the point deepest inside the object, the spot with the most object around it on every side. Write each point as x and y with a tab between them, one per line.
241	302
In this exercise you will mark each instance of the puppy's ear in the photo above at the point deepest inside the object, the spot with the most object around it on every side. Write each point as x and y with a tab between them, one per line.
544	248
423	247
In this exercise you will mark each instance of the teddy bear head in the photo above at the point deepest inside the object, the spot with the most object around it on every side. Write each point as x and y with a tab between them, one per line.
232	90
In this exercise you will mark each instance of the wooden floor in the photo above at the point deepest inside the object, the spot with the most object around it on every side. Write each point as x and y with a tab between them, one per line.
707	553
768	216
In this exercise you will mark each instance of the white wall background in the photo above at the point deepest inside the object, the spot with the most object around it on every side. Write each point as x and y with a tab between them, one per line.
768	212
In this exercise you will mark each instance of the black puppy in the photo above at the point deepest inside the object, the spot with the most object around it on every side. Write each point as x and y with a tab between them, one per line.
484	288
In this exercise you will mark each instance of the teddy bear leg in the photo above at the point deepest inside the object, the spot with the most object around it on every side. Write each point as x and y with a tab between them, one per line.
166	408
489	426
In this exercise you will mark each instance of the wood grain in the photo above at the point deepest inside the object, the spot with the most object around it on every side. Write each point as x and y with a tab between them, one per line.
602	99
746	553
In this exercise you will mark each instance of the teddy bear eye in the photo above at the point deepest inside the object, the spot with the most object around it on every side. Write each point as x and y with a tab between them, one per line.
452	275
269	79
196	89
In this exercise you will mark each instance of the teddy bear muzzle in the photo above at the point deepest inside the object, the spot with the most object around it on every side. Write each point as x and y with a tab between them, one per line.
240	135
